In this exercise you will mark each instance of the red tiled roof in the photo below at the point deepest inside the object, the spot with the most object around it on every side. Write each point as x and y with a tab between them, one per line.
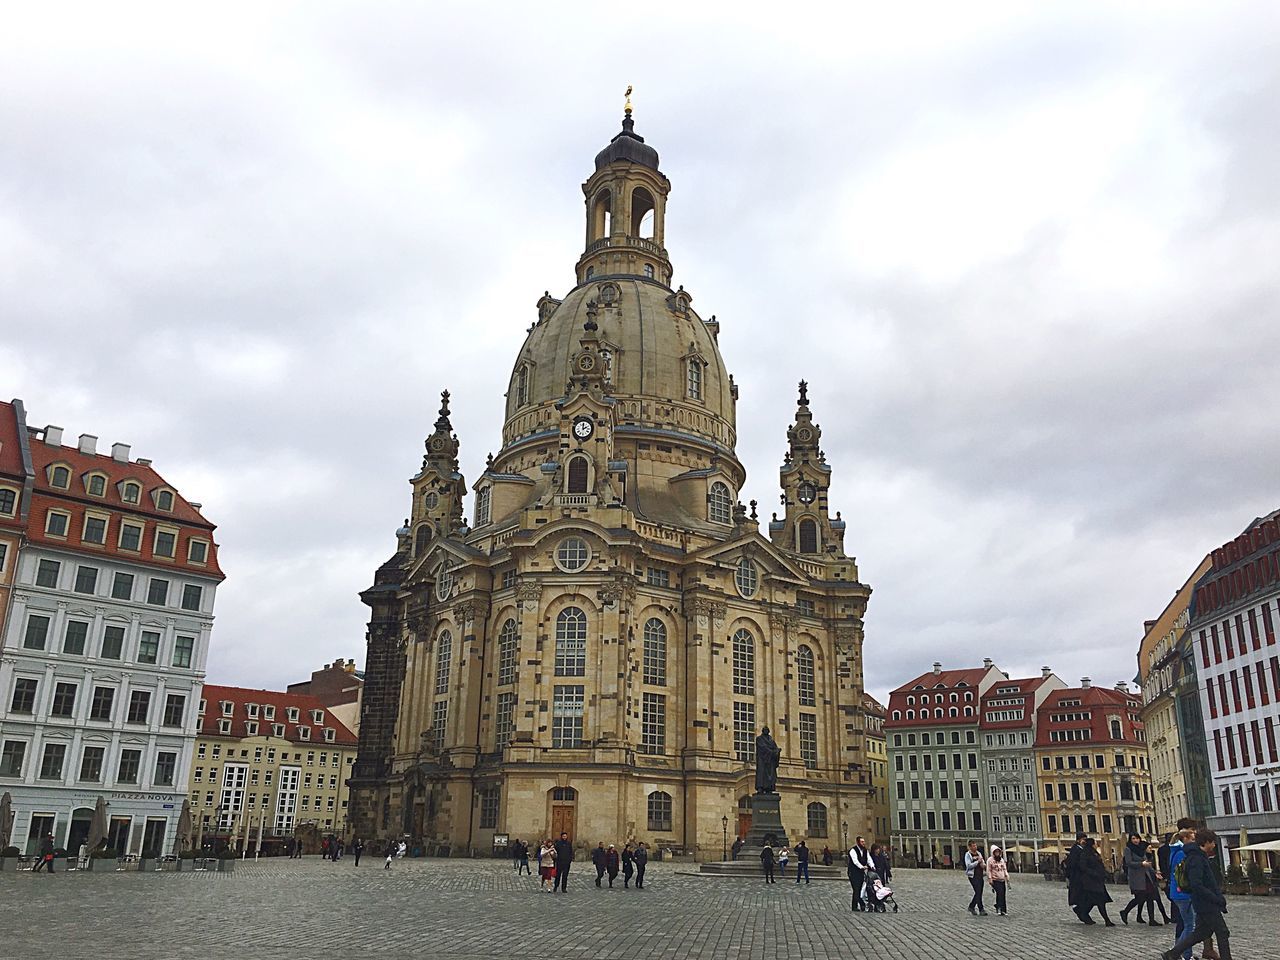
944	682
215	695
1101	703
10	445
871	705
1026	693
76	500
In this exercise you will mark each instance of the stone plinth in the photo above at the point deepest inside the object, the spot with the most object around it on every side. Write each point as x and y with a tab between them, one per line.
766	826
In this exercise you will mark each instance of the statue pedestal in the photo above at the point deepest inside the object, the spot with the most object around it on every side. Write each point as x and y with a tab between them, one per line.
766	825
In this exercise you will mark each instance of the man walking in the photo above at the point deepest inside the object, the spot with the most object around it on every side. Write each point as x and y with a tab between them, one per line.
46	854
611	863
859	864
1071	870
642	860
522	858
975	868
802	861
1201	881
598	856
564	857
357	847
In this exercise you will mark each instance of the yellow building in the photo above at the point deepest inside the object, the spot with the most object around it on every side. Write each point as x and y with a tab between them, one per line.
1159	667
268	765
877	760
1092	768
597	650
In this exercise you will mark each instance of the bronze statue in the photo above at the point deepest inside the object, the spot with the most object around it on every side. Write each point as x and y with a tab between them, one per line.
767	754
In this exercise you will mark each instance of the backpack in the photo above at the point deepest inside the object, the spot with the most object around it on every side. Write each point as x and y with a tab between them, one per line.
1180	874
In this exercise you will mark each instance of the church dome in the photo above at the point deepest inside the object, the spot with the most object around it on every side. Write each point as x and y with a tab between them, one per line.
629	146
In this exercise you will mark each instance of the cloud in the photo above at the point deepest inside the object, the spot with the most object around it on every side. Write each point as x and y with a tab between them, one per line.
1024	255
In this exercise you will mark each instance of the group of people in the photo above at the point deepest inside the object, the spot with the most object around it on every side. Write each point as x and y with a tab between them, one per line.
981	871
554	859
1182	867
869	873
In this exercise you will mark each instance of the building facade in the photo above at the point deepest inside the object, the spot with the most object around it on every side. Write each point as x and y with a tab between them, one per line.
104	648
1234	617
1160	666
267	766
1092	766
596	650
16	481
877	760
338	686
934	752
1007	730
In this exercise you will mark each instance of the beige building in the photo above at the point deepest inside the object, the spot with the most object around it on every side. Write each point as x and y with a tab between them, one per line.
1159	667
877	760
597	649
268	765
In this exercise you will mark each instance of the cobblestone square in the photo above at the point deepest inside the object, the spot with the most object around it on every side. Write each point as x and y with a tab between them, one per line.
454	908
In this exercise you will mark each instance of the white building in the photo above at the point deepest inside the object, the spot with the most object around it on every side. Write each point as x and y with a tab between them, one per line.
104	648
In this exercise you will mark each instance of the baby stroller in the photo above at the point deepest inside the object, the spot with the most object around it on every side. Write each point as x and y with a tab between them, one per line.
879	895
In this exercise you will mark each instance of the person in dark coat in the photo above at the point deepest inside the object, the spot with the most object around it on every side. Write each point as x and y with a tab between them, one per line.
597	860
1092	873
564	857
1201	882
766	863
1140	870
1071	870
826	856
857	863
802	861
628	865
611	861
642	860
522	859
736	848
46	855
357	848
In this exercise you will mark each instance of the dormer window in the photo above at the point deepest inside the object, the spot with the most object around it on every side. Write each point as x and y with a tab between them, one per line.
8	501
719	503
522	378
251	728
693	378
130	492
277	729
224	727
293	714
304	733
483	496
60	477
96	485
329	734
317	716
269	712
227	707
197	551
164	500
251	709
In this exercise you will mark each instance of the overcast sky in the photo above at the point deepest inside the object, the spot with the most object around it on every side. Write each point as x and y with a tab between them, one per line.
1025	254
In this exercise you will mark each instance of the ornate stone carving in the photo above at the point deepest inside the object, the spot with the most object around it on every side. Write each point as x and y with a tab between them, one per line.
716	610
465	612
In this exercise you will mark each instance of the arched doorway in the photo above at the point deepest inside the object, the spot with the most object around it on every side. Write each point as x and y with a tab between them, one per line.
81	821
744	816
564	811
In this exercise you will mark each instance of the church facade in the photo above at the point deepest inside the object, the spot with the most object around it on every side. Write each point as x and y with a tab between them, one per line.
597	648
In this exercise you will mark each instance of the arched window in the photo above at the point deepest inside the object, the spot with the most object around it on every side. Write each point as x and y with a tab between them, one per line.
641	213
578	475
746	578
955	712
744	662
719	503
911	714
522	385
808	536
648	271
602	215
564	795
131	493
1116	733
508	652
655	652
482	505
694	378
571	643
911	701
817	820
937	712
97	485
60	477
804	676
421	538
659	812
444	656
897	714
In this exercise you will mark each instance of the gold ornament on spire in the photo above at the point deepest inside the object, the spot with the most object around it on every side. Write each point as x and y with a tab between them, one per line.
627	107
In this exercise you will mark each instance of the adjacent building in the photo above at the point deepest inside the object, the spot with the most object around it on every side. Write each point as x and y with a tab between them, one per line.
934	752
105	643
1160	669
1091	759
877	760
596	650
1233	621
16	481
338	686
268	765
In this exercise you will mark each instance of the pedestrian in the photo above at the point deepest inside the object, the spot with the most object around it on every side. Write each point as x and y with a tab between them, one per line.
641	859
802	861
564	859
628	865
1093	884
357	847
1163	854
401	850
784	857
859	862
736	848
611	861
522	859
82	859
547	865
598	856
1200	880
826	856
1139	867
766	863
45	855
1183	910
975	868
998	877
880	864
391	855
515	855
1071	870
340	849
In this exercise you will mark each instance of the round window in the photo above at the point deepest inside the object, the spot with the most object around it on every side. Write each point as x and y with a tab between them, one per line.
431	500
444	585
572	554
746	578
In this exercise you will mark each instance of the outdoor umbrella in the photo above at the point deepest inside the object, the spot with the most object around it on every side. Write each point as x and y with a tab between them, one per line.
1266	846
98	825
183	839
6	818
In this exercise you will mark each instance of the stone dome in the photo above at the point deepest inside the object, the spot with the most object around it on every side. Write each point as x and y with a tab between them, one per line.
652	335
630	146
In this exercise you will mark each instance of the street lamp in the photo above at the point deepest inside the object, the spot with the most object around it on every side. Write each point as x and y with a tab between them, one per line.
844	832
724	838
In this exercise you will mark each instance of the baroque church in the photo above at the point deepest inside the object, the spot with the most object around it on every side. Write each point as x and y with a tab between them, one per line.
595	651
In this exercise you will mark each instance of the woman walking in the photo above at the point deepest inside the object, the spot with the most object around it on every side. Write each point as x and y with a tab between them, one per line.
975	868
1092	874
611	863
1139	867
547	865
628	864
998	876
766	862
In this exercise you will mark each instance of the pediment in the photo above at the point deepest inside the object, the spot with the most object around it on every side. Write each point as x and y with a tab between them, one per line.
752	544
443	552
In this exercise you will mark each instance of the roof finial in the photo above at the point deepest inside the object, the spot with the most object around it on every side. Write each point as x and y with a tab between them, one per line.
627	106
804	394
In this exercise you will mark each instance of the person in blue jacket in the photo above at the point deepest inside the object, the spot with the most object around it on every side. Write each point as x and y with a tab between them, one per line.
1201	881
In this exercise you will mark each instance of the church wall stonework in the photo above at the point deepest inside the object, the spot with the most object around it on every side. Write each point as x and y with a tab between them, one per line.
598	647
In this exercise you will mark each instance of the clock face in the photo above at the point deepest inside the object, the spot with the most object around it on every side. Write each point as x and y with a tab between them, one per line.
807	493
804	435
583	428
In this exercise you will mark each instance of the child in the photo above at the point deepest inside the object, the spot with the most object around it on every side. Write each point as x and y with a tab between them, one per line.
998	874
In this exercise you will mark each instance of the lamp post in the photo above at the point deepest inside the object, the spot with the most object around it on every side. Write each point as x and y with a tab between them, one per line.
724	838
844	832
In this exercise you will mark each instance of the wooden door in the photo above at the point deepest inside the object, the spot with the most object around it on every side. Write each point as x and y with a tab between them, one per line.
744	824
561	820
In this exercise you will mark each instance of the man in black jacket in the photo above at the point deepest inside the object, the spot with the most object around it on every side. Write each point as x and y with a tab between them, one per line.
1201	881
564	857
598	857
641	858
1071	870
